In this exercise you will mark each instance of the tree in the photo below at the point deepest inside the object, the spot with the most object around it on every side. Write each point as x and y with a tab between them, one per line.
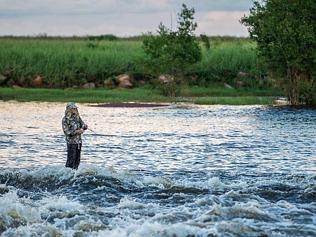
285	32
170	51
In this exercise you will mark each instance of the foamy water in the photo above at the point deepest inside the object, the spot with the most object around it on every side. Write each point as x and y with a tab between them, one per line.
193	171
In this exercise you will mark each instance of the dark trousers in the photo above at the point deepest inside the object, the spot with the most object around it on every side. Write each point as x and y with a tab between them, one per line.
73	155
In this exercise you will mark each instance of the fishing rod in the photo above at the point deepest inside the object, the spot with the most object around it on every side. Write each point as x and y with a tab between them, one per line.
100	134
91	130
95	133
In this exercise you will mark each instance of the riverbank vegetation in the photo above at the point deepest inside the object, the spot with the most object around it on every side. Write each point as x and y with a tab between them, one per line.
272	60
197	95
66	63
286	42
176	63
69	64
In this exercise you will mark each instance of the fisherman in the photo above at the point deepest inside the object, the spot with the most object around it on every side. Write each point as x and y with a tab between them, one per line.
73	127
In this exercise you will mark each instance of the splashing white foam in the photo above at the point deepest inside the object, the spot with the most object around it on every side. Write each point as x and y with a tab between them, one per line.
148	229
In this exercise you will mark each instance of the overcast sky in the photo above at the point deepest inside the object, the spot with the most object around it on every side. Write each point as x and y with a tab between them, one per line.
118	17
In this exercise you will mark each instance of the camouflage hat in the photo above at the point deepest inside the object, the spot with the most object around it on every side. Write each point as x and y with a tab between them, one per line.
71	105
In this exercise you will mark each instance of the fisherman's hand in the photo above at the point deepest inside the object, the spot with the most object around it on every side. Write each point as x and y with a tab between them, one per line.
79	131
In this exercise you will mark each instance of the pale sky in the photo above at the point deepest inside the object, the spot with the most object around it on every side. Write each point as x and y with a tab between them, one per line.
118	17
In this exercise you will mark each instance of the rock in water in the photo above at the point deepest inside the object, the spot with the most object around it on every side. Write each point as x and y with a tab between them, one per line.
3	189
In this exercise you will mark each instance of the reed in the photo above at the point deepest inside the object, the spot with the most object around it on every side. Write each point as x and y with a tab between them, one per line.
68	62
64	63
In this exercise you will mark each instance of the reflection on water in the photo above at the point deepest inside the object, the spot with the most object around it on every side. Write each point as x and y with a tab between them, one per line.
202	170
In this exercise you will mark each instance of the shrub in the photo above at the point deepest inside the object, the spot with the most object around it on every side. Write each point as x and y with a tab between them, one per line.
171	52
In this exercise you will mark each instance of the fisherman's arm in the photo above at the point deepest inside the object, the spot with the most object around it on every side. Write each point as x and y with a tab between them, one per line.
83	125
69	130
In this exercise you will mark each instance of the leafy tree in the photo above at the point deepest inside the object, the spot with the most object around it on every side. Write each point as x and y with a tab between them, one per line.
285	32
170	51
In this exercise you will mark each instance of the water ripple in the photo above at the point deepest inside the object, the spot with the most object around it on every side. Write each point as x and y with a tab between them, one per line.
199	171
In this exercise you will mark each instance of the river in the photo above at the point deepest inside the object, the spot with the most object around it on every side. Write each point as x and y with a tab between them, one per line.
181	171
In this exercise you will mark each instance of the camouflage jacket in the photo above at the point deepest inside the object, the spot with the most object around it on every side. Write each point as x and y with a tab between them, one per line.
70	125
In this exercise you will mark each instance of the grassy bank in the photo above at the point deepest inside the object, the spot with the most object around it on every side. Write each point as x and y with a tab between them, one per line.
68	62
197	95
64	63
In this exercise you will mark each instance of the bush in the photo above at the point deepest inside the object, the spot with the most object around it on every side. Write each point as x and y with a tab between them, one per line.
171	52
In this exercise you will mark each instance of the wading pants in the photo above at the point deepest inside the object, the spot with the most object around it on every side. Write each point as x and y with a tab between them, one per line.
73	155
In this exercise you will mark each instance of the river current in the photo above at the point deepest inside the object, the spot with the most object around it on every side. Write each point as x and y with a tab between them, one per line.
175	171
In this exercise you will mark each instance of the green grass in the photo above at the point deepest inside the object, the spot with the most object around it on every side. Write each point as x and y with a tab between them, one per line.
64	63
91	96
143	94
233	56
67	62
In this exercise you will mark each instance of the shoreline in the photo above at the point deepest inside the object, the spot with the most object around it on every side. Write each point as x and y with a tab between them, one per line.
129	105
138	97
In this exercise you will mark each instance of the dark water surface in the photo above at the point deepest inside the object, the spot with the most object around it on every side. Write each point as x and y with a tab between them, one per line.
192	171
